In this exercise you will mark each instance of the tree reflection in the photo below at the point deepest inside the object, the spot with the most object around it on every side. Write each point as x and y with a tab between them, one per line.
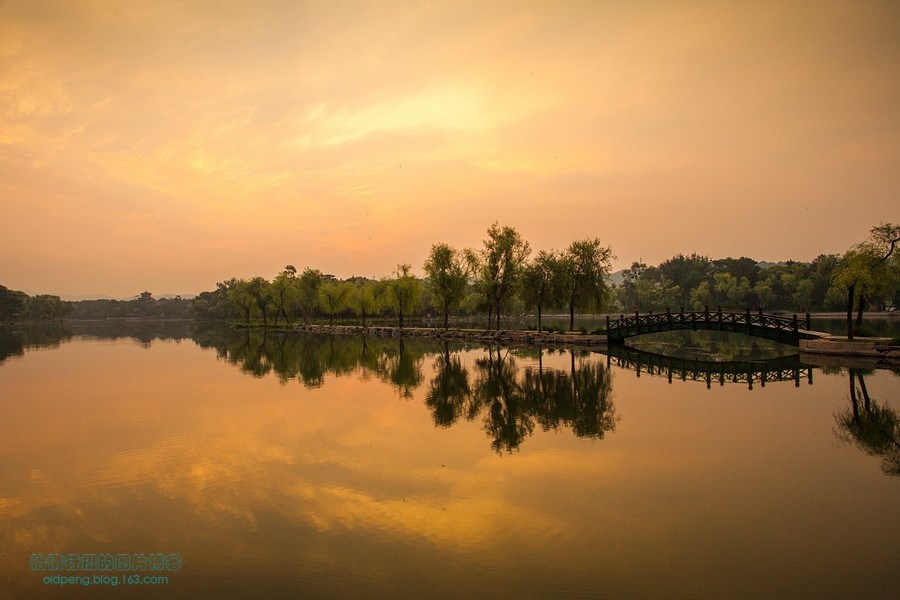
449	391
580	399
873	428
509	401
498	394
402	369
510	404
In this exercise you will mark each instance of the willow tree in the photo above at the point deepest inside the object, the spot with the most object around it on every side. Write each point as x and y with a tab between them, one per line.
331	298
502	260
448	272
864	270
285	289
585	267
363	299
308	291
403	291
540	282
239	296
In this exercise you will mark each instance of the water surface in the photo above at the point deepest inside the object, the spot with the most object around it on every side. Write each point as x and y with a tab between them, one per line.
317	467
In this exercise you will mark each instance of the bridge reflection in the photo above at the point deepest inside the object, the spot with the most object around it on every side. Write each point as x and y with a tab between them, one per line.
785	368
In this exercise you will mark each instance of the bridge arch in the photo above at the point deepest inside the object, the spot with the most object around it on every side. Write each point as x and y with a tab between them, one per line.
784	368
787	330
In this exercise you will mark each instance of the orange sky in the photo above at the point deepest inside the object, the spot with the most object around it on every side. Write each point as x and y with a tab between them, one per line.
168	145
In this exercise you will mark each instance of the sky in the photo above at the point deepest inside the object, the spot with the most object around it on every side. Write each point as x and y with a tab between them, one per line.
165	146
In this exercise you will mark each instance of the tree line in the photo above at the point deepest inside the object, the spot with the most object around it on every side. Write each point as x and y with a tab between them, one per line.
496	280
866	276
19	305
503	278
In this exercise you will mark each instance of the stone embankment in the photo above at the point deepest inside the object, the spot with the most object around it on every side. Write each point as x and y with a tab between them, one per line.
840	352
481	336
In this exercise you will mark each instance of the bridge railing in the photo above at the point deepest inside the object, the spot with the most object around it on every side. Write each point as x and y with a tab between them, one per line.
705	317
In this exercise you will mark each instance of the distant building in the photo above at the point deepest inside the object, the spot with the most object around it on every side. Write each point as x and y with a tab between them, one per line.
145	296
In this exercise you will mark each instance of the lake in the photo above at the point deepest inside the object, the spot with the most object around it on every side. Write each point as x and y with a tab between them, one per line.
189	463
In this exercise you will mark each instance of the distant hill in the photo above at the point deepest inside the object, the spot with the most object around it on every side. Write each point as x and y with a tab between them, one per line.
80	297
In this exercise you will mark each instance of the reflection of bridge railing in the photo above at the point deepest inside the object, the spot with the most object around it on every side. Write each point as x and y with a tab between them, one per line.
788	330
786	368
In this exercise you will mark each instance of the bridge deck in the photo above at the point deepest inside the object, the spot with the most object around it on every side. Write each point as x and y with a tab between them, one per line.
788	330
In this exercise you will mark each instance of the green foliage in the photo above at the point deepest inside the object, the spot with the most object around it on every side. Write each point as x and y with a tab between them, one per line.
214	305
308	292
541	282
286	294
332	296
46	308
403	292
500	267
363	299
448	274
12	303
867	273
584	269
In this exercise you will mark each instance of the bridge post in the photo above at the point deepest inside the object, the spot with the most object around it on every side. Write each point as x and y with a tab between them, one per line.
808	324
706	313
669	317
794	324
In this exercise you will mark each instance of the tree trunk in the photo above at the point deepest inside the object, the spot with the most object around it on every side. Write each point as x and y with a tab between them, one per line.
850	291
572	315
539	318
446	318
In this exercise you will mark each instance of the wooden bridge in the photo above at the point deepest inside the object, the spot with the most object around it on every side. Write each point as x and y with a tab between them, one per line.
785	368
787	330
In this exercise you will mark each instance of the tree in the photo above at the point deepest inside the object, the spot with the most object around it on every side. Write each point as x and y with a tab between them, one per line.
686	272
285	288
404	291
803	296
362	298
738	267
12	303
448	271
239	296
864	269
502	259
540	282
308	292
45	307
262	292
702	295
585	267
331	298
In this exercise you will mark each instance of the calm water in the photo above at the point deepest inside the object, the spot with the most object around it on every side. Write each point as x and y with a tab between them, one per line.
306	467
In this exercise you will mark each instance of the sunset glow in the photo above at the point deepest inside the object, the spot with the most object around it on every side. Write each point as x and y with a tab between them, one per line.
167	146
